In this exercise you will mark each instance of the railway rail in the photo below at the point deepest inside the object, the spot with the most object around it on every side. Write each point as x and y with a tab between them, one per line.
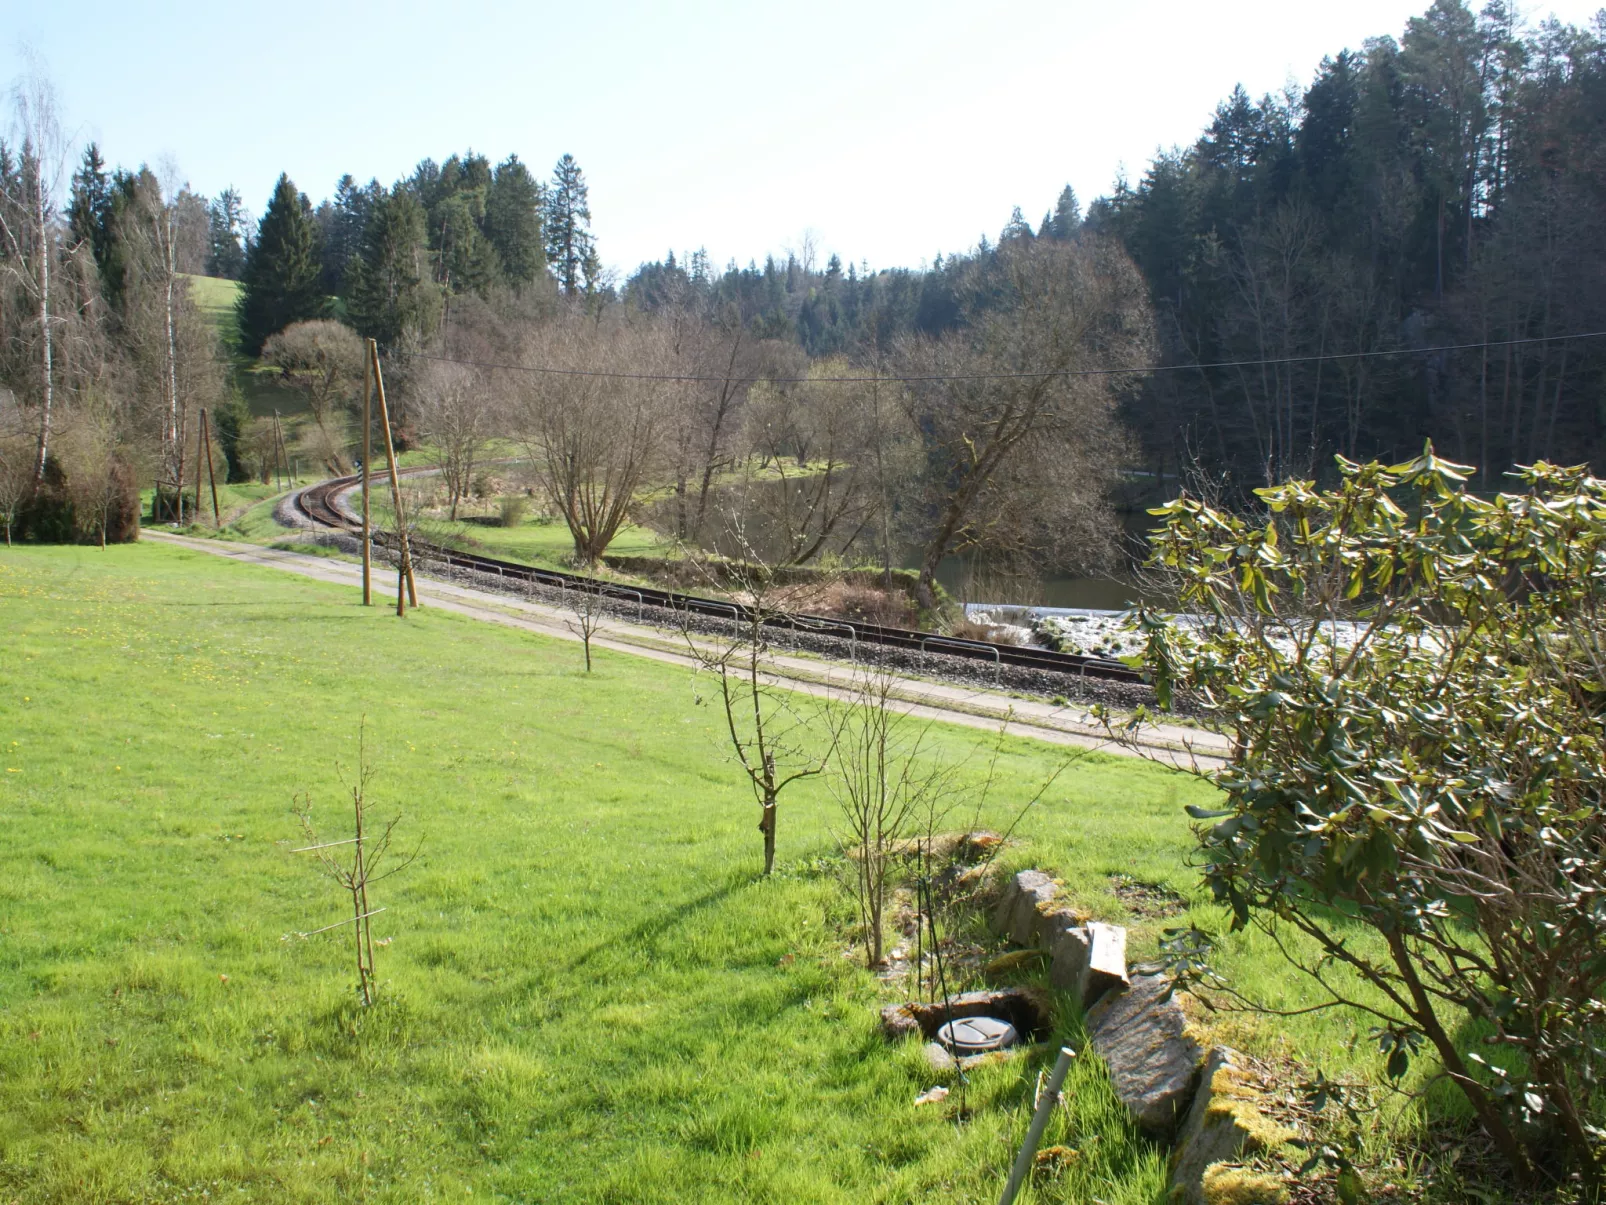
318	504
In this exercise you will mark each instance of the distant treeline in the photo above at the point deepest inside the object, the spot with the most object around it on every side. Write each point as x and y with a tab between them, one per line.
1445	188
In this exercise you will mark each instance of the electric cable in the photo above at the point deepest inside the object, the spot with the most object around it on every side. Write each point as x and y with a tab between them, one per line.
894	378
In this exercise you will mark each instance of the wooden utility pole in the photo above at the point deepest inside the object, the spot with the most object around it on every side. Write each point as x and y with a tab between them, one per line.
200	450
404	570
280	456
211	473
367	455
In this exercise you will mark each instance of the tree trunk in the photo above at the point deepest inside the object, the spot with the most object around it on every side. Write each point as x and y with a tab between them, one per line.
766	825
46	338
1488	1115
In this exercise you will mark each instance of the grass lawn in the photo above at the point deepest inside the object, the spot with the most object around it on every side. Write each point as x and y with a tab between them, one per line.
216	298
548	544
589	994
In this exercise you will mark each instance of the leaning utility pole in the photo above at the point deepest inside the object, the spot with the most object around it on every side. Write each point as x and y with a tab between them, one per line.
404	571
203	455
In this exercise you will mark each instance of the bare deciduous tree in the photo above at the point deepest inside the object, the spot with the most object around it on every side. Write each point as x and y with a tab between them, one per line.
368	852
885	781
586	605
706	412
172	349
16	462
771	738
324	360
455	413
593	434
97	476
821	443
29	230
1018	449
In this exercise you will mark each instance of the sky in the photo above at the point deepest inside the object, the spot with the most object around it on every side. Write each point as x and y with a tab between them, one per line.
886	131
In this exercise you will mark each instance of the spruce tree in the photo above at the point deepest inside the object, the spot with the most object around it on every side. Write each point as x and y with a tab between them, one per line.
225	228
1067	217
513	222
281	280
90	201
570	248
389	293
347	216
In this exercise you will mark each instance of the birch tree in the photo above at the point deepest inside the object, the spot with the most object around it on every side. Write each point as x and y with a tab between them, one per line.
28	227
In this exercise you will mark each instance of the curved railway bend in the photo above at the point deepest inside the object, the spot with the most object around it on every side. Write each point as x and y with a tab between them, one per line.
971	677
322	505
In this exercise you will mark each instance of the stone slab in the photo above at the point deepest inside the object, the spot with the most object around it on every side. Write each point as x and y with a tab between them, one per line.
1016	916
1153	1060
1106	961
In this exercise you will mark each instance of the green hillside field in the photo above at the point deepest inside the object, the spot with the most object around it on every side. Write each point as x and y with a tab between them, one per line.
589	993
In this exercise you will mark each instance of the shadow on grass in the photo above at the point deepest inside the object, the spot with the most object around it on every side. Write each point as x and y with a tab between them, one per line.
661	922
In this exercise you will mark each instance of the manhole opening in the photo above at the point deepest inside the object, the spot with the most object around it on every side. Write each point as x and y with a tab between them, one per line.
1024	1011
976	1035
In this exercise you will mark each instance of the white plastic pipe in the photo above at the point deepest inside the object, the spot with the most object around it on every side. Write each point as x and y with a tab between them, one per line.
1034	1134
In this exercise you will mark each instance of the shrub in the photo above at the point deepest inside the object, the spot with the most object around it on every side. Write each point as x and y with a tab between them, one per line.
870	604
97	503
512	509
1415	676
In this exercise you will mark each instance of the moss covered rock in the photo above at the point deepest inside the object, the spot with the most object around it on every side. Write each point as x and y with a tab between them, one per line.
1225	1124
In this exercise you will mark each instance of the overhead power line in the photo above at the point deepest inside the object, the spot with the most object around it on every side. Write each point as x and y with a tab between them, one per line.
894	378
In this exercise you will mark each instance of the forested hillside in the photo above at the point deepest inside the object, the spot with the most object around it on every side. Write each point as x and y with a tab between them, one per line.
1402	250
1448	187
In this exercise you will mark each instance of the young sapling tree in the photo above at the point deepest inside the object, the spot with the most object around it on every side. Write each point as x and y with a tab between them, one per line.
356	863
586	606
770	736
885	783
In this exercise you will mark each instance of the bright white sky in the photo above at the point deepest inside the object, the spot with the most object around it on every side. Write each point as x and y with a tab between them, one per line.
892	129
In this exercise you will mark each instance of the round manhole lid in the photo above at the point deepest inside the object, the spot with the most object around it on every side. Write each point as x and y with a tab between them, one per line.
972	1035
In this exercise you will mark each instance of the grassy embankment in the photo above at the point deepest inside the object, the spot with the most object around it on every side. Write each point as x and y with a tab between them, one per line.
215	298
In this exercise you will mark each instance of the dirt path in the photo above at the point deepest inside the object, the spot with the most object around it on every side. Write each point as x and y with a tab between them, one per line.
972	706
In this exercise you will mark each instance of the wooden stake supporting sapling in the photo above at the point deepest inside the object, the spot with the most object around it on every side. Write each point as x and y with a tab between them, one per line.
367	853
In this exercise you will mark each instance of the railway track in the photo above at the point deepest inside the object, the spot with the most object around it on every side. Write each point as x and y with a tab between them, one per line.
319	504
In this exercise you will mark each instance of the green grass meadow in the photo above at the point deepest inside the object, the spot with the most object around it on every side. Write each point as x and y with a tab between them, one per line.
589	993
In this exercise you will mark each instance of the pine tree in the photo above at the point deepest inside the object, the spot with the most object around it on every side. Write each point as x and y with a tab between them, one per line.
513	222
570	248
281	278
